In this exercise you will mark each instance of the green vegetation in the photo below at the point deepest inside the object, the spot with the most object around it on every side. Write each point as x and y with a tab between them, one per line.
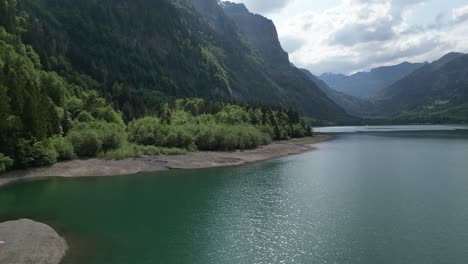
87	93
142	53
5	162
45	119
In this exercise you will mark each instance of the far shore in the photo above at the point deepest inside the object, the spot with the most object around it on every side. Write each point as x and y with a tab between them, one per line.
193	160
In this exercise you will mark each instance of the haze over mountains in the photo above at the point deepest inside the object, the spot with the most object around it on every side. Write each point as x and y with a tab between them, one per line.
437	92
369	84
431	92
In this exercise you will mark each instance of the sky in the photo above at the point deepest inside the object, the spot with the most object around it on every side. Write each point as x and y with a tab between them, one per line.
347	36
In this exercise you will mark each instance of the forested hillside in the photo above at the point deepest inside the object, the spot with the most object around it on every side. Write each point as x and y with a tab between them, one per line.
437	92
87	78
140	52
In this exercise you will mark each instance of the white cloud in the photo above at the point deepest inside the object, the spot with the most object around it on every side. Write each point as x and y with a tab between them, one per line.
460	14
353	35
264	6
361	34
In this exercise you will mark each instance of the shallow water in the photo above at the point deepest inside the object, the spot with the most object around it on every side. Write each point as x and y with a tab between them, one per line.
388	197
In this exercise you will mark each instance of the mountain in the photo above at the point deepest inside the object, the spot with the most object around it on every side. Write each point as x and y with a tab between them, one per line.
352	105
138	53
369	84
437	92
119	79
262	37
259	31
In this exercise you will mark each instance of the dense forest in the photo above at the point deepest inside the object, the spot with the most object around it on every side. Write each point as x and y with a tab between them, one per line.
45	118
137	53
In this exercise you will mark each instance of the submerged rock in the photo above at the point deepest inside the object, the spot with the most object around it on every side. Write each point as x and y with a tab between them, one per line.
29	242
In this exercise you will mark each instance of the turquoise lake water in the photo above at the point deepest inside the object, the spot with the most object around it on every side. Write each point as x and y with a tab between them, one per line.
370	197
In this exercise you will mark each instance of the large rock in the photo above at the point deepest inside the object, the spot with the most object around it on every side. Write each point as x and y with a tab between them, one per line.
29	242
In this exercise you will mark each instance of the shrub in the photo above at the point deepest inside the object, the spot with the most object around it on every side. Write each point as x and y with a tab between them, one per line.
85	142
111	135
178	137
205	139
147	131
228	137
64	148
135	151
32	153
5	162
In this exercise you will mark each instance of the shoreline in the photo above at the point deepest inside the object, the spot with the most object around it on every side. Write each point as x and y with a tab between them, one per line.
192	160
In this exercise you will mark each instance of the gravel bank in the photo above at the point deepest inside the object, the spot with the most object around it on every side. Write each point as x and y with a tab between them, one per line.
194	160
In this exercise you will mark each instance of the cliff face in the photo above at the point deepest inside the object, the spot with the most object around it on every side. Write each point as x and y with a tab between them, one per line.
259	31
262	37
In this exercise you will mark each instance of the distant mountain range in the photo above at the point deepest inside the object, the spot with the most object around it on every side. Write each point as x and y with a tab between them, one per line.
369	84
353	105
437	92
434	92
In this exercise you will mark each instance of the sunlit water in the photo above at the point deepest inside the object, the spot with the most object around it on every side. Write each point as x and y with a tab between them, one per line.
373	198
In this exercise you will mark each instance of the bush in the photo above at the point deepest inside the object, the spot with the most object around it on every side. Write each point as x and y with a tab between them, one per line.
135	151
228	137
205	139
5	162
178	137
85	142
64	148
32	153
111	135
147	131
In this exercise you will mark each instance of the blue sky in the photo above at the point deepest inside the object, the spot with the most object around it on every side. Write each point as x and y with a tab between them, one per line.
347	36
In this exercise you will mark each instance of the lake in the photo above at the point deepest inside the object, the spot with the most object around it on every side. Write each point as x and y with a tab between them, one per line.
364	197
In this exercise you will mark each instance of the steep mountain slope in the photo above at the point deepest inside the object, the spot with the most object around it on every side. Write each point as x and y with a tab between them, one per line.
139	52
436	92
369	84
262	37
352	105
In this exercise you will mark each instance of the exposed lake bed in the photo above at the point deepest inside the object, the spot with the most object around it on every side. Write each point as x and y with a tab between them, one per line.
369	197
192	160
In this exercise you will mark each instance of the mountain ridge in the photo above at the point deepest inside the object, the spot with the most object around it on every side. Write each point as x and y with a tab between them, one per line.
368	85
438	91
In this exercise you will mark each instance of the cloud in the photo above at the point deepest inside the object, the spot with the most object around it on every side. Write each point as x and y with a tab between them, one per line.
264	6
353	34
358	35
460	15
291	44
